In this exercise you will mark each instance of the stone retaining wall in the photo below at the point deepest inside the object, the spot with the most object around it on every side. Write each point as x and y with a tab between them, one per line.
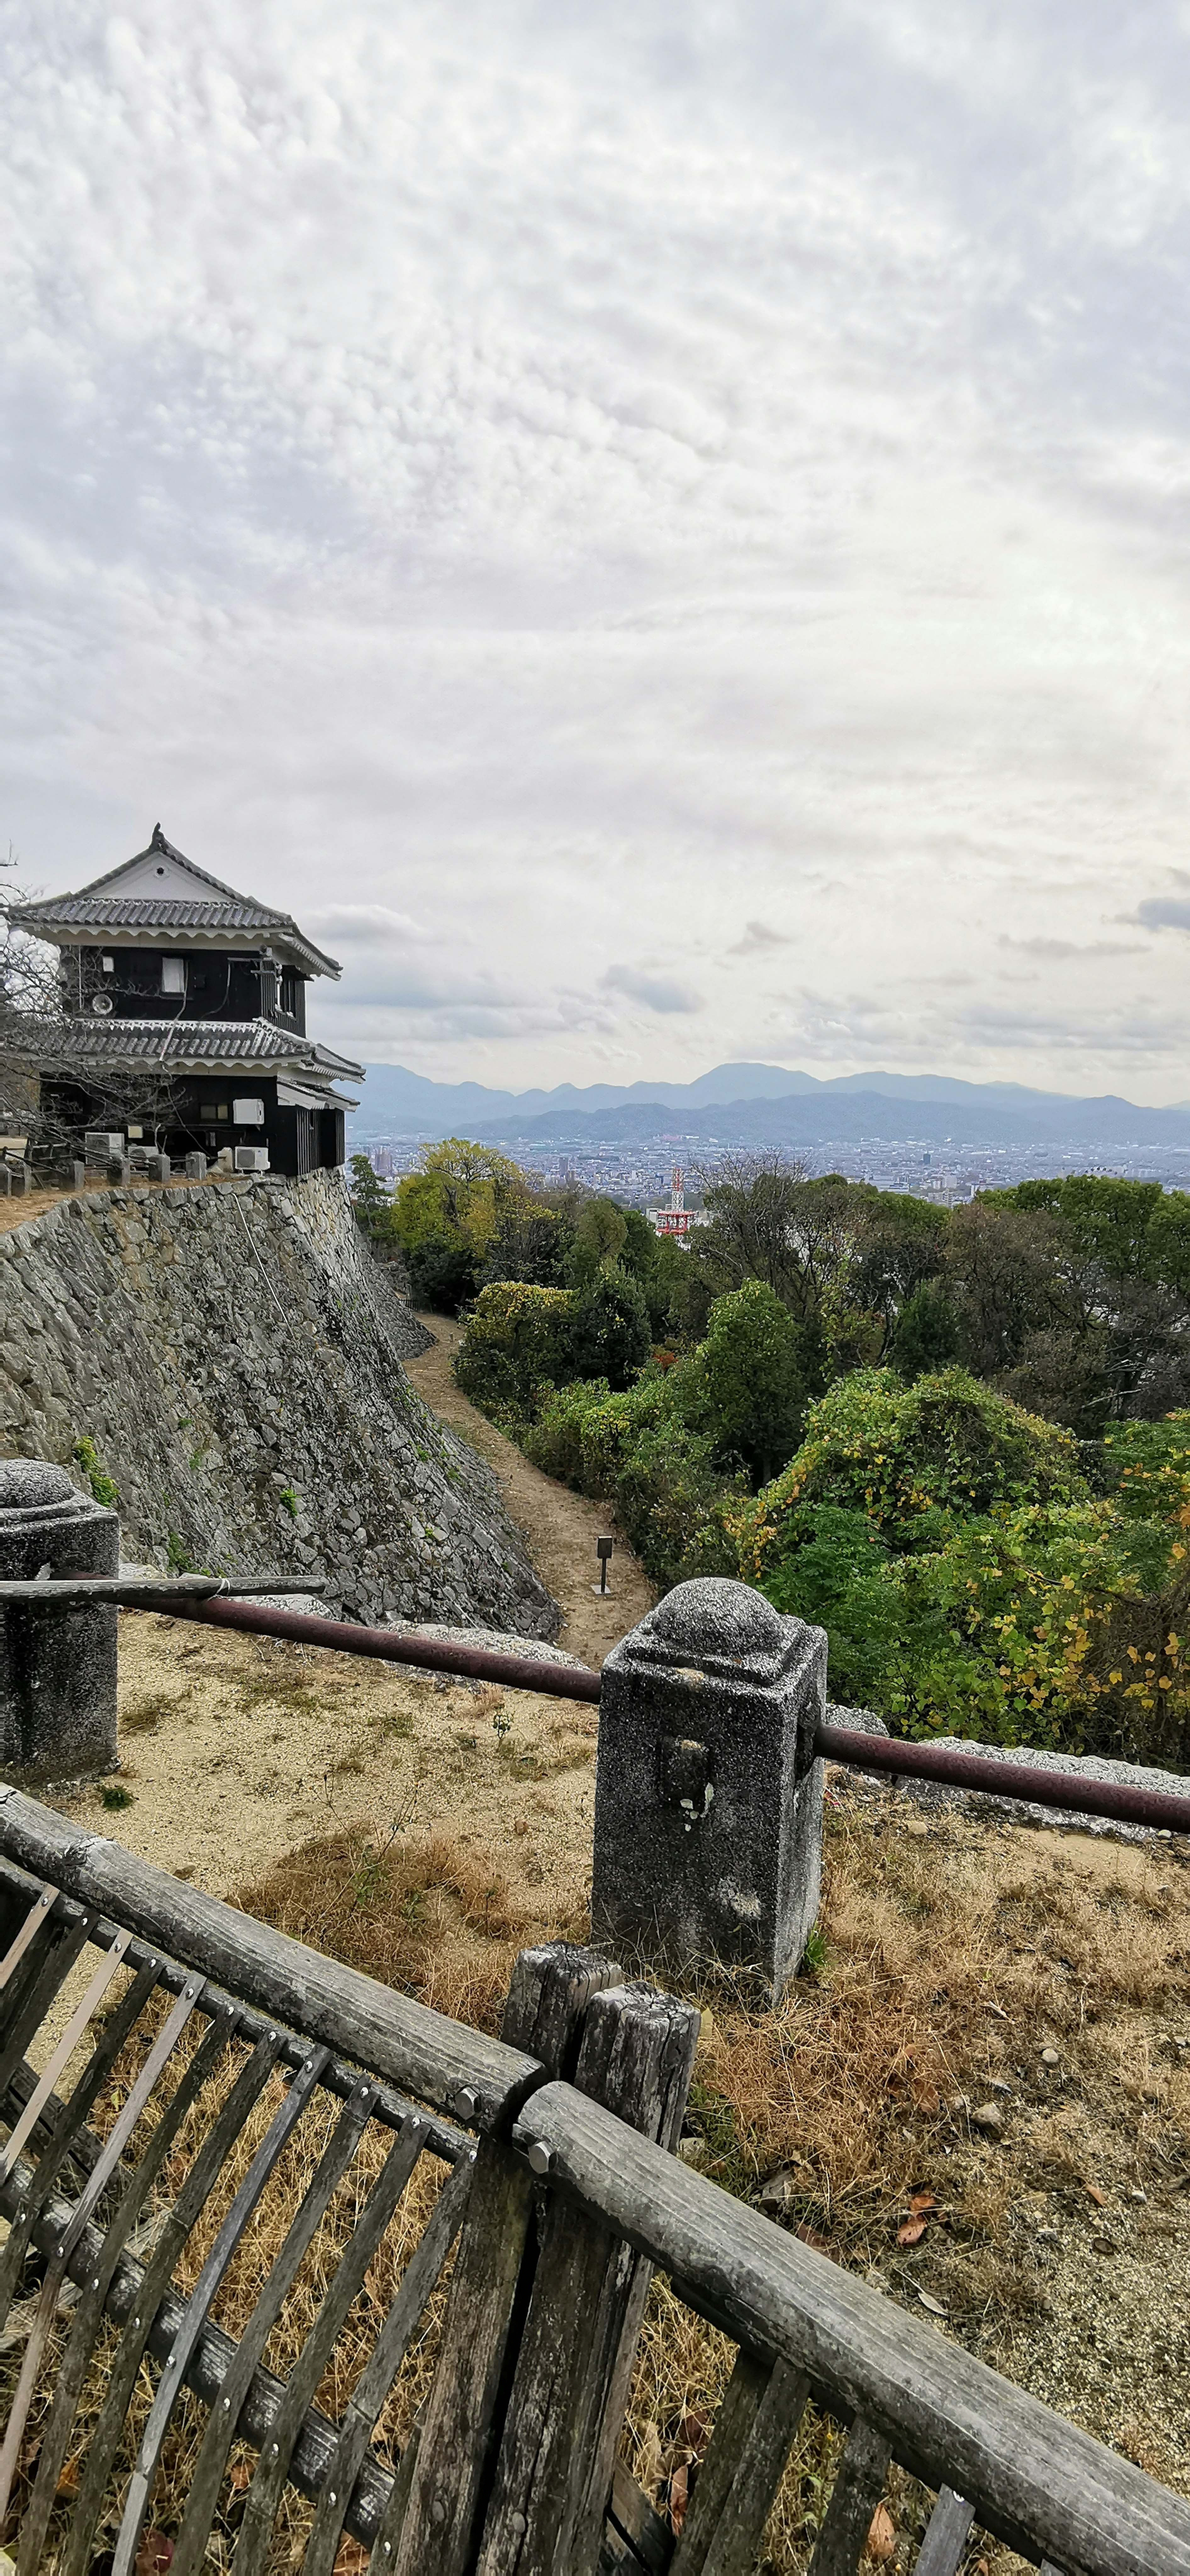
233	1354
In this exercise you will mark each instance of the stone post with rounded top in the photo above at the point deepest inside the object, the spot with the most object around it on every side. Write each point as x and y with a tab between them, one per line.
57	1665
708	1799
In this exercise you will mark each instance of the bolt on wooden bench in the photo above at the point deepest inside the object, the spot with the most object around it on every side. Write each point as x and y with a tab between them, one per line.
469	2230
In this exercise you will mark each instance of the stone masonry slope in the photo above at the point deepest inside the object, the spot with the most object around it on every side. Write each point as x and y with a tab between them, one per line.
233	1353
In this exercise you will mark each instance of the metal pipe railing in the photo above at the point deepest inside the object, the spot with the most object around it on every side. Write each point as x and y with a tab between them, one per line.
1073	1791
392	1646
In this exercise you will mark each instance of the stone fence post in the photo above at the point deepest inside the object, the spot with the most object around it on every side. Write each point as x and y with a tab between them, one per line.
708	1798
57	1666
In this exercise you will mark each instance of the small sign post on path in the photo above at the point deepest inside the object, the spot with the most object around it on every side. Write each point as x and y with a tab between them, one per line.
603	1549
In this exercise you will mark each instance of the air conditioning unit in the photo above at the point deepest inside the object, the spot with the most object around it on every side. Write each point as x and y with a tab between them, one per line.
252	1158
100	1146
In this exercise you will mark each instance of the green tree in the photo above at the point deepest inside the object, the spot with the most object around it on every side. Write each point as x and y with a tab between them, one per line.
533	1241
750	1366
519	1338
928	1333
600	1234
612	1335
369	1197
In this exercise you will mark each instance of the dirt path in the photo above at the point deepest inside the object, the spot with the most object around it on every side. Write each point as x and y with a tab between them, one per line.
561	1527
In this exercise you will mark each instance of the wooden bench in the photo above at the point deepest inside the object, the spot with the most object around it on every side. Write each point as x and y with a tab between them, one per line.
198	2029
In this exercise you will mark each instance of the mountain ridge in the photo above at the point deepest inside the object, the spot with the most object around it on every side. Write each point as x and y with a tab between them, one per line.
762	1103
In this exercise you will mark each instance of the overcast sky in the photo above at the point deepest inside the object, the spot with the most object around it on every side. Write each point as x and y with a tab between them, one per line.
659	530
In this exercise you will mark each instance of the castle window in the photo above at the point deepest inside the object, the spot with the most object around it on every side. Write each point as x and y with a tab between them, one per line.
173	974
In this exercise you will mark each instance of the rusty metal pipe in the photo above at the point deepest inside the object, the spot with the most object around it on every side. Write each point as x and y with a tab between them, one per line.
391	1646
1072	1789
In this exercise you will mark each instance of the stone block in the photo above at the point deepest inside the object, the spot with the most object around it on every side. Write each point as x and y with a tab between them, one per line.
119	1169
57	1666
20	1178
708	1799
196	1167
5	1179
76	1176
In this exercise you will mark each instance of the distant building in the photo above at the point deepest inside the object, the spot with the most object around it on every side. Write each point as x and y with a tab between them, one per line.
176	987
681	1214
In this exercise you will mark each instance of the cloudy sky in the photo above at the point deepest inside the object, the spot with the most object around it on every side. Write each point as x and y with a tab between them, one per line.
661	530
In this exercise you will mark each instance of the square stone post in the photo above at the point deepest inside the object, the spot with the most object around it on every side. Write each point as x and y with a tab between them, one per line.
57	1666
708	1796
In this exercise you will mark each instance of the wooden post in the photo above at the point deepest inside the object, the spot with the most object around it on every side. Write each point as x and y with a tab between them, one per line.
451	2471
554	2473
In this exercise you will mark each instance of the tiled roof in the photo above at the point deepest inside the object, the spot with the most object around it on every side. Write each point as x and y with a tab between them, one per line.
92	909
191	1045
172	914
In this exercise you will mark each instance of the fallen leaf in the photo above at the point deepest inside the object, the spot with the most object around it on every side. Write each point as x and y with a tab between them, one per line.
241	2476
922	2200
352	2558
912	2232
1093	2193
882	2537
934	2305
694	2432
69	2480
679	2498
154	2555
819	2243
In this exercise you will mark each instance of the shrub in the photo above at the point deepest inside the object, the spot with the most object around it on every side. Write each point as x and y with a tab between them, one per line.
518	1337
612	1332
633	1450
750	1368
442	1273
967	1581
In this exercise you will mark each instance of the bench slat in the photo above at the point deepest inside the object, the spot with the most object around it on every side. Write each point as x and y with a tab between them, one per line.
946	2535
392	2343
733	2498
272	2467
126	2361
63	2121
223	2420
855	2495
88	2315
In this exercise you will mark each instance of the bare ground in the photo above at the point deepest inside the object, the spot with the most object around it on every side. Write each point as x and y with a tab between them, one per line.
560	1526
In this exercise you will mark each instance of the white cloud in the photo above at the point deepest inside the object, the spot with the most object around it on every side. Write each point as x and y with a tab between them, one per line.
531	489
654	992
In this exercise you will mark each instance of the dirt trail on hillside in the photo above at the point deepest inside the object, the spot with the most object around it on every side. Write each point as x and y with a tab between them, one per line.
561	1527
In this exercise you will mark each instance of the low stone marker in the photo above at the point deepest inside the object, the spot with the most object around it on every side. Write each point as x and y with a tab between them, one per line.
196	1167
708	1800
57	1666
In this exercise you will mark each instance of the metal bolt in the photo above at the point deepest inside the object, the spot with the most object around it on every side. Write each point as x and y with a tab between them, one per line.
519	2523
539	2157
466	2103
334	2497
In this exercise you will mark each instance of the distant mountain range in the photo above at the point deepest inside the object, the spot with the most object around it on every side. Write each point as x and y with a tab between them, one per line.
761	1105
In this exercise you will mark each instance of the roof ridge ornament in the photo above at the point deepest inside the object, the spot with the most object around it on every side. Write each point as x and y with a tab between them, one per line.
158	841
